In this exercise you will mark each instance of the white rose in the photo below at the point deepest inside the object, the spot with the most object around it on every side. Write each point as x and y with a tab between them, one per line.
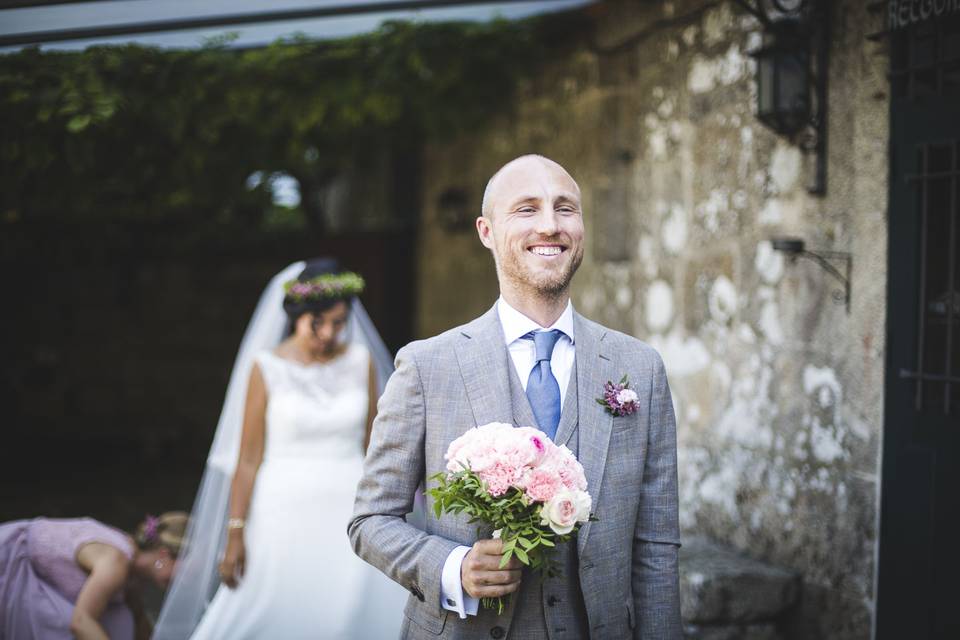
560	512
583	503
627	396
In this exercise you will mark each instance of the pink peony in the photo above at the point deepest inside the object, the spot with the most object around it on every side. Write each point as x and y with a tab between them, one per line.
505	456
542	485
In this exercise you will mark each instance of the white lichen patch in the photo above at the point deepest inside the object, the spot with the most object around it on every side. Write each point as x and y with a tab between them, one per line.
702	76
706	74
674	231
665	108
710	210
825	443
769	263
770	323
647	252
785	167
682	355
822	382
716	24
826	428
732	66
746	334
771	213
722	300
672	52
659	306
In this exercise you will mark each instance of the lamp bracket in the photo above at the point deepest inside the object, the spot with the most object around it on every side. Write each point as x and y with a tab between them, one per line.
824	258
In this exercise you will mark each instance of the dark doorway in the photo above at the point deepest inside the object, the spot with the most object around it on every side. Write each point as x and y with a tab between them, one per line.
919	555
118	343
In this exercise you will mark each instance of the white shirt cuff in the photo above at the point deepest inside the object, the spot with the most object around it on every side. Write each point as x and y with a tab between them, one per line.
452	597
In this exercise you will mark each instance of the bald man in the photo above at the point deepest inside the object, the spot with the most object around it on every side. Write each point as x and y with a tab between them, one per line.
530	360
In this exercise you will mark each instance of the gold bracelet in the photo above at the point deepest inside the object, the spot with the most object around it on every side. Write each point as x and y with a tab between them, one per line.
236	523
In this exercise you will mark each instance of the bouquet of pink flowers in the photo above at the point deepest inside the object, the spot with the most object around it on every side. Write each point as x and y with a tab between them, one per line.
533	492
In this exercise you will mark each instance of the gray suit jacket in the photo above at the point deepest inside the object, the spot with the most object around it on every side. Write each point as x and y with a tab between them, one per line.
447	384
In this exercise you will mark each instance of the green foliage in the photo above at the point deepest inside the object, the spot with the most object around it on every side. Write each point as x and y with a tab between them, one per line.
513	514
139	132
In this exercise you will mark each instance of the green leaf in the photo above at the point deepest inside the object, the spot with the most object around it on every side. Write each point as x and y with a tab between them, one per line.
78	123
522	556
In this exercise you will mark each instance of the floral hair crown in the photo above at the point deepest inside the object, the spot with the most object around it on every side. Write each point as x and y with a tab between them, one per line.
327	285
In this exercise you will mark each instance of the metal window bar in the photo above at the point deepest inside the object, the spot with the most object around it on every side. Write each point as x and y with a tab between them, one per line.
913	177
951	272
939	60
921	321
949	377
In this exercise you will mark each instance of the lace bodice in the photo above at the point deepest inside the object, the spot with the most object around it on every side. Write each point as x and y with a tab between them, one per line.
316	410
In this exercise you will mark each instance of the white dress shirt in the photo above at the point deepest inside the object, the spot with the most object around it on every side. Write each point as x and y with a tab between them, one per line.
523	354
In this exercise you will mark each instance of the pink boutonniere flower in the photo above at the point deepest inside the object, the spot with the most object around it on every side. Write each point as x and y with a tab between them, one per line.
618	399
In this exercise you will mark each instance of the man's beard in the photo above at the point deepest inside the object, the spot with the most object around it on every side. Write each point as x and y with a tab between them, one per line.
548	285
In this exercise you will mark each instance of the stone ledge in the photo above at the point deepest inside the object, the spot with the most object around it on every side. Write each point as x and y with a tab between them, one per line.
722	588
761	631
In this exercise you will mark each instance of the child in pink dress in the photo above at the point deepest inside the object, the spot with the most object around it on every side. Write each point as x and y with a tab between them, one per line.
65	578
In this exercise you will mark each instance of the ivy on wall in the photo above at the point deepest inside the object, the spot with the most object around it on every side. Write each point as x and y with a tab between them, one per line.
141	133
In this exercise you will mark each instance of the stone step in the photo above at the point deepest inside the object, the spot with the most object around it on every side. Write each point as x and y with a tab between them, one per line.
720	588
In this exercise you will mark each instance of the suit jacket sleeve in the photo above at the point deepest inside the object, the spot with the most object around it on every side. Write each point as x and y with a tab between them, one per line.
393	470
656	538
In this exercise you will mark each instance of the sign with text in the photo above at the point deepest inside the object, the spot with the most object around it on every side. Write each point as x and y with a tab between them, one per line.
903	13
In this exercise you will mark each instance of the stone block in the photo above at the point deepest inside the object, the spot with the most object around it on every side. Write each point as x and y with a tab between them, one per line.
721	587
762	631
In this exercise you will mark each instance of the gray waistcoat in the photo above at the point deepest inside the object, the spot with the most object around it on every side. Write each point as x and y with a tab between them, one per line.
552	608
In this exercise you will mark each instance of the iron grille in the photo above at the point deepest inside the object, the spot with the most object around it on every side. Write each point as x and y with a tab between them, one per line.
937	187
926	60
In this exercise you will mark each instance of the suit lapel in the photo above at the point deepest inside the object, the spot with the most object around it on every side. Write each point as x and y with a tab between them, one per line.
594	368
482	356
569	416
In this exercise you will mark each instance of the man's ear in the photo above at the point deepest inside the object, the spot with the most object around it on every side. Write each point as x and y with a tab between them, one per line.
485	231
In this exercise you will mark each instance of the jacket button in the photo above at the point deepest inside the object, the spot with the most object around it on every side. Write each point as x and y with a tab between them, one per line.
552	600
496	633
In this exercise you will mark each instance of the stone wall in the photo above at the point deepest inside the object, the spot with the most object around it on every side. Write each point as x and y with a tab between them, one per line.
778	389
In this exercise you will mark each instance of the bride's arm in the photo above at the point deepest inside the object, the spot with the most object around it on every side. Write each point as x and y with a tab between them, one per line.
251	455
372	393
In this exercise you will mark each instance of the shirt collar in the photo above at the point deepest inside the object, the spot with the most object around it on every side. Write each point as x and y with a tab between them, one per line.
516	325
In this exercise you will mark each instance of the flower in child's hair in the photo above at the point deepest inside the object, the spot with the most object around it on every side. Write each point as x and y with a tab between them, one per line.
618	399
150	528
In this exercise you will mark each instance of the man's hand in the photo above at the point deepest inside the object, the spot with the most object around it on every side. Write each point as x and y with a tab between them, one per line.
480	572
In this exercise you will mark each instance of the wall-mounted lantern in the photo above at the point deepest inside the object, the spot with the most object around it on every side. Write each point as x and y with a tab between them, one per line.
796	248
454	211
792	74
783	79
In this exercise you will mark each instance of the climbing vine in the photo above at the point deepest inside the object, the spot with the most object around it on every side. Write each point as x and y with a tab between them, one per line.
151	134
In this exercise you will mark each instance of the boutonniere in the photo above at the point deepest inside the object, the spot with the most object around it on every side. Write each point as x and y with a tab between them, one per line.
618	399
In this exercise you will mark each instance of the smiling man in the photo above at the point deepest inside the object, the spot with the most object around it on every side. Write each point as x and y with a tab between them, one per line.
530	360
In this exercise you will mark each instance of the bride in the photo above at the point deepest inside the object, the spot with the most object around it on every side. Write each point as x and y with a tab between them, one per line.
288	452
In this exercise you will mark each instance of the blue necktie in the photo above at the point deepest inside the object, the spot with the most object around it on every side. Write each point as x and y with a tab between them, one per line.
543	392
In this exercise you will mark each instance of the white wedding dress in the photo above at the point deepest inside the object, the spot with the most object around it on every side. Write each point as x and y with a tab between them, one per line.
302	579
